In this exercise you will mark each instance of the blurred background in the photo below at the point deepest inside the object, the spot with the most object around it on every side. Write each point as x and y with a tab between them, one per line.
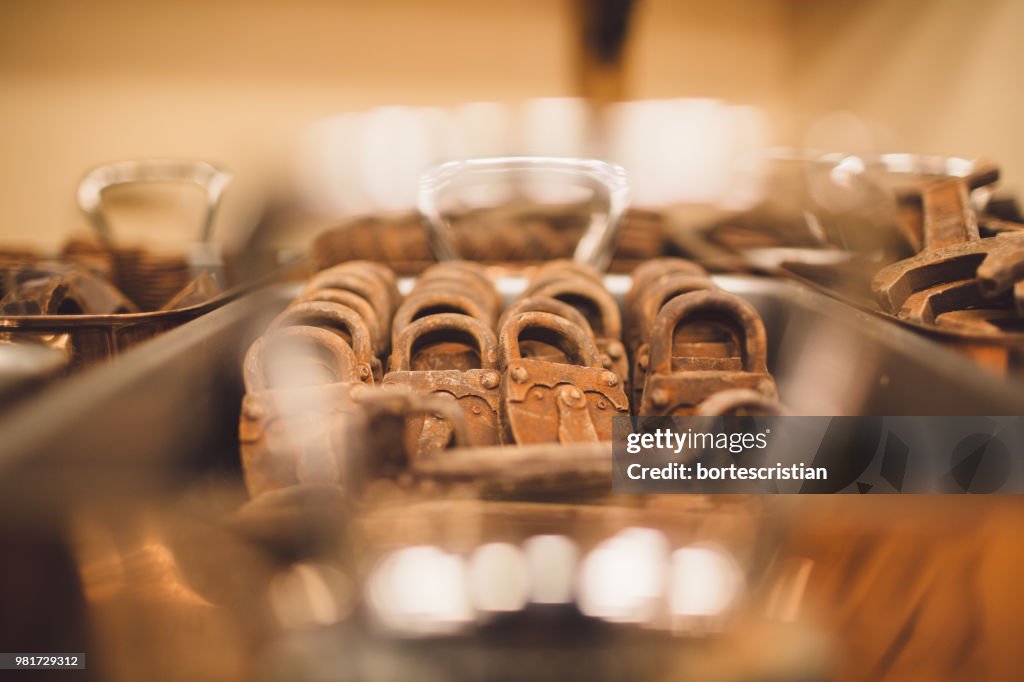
243	82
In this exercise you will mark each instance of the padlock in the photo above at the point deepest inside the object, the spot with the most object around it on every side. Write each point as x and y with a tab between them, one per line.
650	271
362	283
340	319
475	389
469	278
676	386
601	311
553	271
296	356
381	344
295	378
544	304
377	273
554	402
645	310
341	434
420	304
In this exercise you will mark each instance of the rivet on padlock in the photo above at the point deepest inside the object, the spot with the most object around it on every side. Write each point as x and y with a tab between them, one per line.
568	411
672	390
472	388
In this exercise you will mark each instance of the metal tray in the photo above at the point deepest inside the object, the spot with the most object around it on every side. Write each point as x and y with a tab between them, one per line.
168	411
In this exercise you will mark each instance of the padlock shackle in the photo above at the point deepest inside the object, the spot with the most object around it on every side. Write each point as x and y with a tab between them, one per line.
356	303
679	310
416	303
546	304
405	343
648	273
570	339
655	297
254	367
331	316
594	295
563	267
362	283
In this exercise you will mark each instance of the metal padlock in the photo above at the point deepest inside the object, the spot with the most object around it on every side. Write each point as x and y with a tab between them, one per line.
650	271
297	378
602	312
645	311
476	390
422	304
343	321
469	277
542	304
381	344
554	402
676	386
295	356
363	284
343	434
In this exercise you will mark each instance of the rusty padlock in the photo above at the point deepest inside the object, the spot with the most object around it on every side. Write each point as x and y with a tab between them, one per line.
537	349
475	389
559	269
420	304
340	319
297	356
364	283
676	386
467	277
341	434
646	309
295	378
644	275
600	309
381	345
554	402
646	304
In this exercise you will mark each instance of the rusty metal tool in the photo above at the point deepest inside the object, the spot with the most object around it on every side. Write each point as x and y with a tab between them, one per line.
59	289
956	271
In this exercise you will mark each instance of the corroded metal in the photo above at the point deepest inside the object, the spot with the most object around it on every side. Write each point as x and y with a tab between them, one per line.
364	282
341	434
292	356
956	271
59	289
646	309
594	302
339	319
475	389
565	402
676	385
